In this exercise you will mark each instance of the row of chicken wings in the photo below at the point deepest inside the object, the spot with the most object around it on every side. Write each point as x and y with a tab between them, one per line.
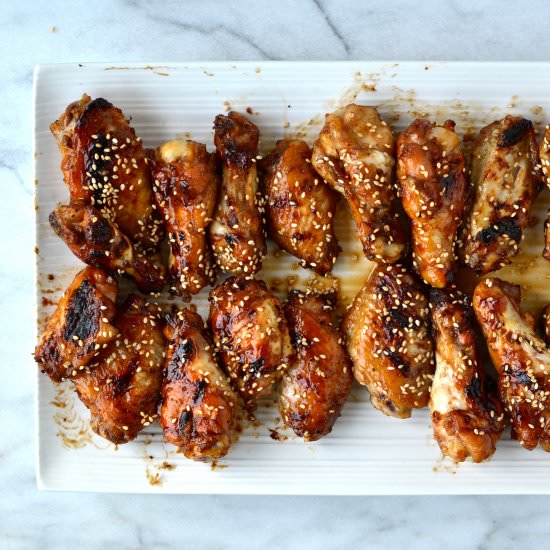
410	336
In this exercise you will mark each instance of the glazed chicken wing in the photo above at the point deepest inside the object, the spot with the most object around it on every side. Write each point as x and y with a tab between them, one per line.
387	331
545	163
431	174
81	325
237	234
186	188
319	379
467	416
251	335
105	166
355	154
300	206
96	241
199	407
122	387
521	358
506	178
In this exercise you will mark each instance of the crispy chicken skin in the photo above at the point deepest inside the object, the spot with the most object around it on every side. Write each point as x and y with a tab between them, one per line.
186	188
506	178
199	407
432	179
81	325
122	387
300	206
521	358
237	233
355	154
251	336
467	416
96	241
545	163
104	164
318	382
387	332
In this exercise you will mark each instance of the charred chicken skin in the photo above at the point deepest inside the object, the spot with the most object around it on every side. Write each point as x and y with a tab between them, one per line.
318	382
122	386
521	359
355	155
199	407
96	241
467	416
431	175
251	336
237	233
506	178
300	206
545	163
105	166
387	332
186	187
81	325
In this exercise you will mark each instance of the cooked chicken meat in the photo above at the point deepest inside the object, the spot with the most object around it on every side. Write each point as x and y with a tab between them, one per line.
506	178
545	163
355	155
431	175
387	332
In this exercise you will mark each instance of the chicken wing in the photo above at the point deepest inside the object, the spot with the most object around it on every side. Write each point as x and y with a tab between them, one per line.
251	336
467	416
300	206
521	358
96	241
237	233
318	382
387	331
122	387
431	175
81	325
105	166
545	163
199	408
186	187
506	178
355	154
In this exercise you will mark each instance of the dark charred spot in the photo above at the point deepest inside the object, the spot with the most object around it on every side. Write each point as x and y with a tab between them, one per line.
82	316
183	352
521	377
474	389
231	239
184	420
120	384
448	183
398	361
505	226
236	140
255	368
513	135
100	232
199	392
396	318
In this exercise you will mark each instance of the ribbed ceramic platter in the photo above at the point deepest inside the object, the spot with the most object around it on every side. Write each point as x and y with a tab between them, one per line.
367	453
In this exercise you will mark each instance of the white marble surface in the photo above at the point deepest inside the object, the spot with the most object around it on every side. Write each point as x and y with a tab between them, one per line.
134	30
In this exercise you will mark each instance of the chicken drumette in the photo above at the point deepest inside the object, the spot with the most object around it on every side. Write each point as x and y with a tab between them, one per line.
186	188
300	206
251	335
318	382
387	331
199	408
506	178
355	155
467	415
237	233
430	171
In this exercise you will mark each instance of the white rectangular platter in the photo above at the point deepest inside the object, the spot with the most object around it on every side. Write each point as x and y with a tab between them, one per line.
367	453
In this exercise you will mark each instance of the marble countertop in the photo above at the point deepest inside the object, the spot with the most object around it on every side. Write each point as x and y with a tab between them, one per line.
137	30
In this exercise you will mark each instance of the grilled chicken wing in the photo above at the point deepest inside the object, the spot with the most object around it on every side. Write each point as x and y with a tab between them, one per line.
251	335
355	154
199	407
122	387
521	359
80	326
506	178
300	206
467	415
105	166
318	381
96	241
186	188
237	234
431	174
387	331
545	163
